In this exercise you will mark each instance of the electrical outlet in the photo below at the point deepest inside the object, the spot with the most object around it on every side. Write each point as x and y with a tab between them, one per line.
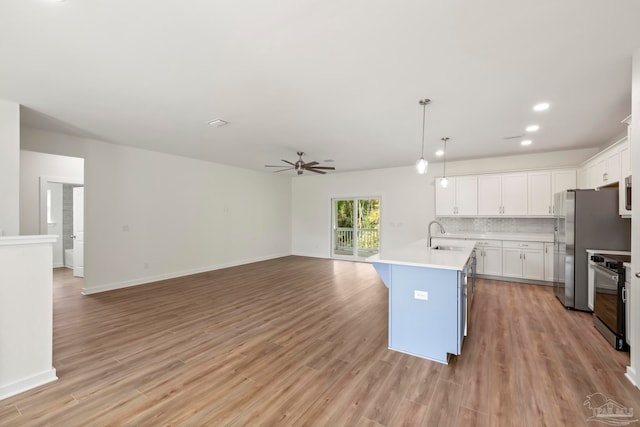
423	295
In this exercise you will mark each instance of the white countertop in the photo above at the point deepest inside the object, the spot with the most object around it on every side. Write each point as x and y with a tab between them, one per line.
526	237
608	252
27	240
417	254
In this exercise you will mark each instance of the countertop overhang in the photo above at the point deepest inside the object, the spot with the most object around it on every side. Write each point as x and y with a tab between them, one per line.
417	254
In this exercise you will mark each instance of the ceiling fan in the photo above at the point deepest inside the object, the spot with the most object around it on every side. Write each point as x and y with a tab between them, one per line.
300	166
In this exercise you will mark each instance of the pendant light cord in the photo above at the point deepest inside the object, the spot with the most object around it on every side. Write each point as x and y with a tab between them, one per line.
444	167
424	115
424	103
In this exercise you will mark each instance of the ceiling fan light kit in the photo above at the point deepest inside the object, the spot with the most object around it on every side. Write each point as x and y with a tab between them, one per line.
422	164
300	166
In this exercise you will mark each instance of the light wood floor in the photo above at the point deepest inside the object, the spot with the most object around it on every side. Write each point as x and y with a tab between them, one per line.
302	341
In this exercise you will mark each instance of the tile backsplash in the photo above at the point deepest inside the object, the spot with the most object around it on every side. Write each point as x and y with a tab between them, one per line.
498	225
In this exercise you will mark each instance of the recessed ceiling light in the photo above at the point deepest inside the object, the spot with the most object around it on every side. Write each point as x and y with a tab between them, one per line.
532	128
218	122
526	142
541	107
439	153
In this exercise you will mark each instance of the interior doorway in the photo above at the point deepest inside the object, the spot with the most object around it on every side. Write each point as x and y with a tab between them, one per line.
62	214
356	227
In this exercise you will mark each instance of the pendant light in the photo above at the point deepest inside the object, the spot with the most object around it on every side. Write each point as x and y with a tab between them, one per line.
444	181
421	164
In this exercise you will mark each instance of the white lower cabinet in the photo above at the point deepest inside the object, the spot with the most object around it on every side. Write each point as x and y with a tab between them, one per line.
523	260
548	262
489	257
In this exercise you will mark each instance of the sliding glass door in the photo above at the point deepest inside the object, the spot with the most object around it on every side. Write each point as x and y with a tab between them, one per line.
356	227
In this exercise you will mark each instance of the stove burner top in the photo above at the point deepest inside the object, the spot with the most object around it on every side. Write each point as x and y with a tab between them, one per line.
618	258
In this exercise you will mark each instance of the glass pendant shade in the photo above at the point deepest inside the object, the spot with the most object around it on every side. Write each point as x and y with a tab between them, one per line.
421	166
444	182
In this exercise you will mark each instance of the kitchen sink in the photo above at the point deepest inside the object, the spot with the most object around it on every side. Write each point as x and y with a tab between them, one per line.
447	248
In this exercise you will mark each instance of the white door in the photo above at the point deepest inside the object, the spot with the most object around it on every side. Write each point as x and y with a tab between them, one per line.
78	231
539	193
489	195
493	261
514	194
512	262
533	264
548	262
446	199
467	195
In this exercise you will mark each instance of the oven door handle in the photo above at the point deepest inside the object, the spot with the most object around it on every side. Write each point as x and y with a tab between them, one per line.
604	271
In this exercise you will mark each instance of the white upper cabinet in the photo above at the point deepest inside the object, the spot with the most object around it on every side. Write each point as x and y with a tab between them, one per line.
502	194
511	194
514	194
605	168
467	195
490	195
539	193
460	197
609	167
562	180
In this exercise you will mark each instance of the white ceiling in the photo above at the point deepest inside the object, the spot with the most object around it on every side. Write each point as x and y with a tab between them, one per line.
336	79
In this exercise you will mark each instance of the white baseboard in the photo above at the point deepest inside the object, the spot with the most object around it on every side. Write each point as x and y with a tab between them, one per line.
632	376
58	265
150	279
25	384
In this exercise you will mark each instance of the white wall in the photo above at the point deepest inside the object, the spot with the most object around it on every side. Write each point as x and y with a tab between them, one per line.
34	165
405	196
55	227
633	371
9	168
26	313
150	215
408	199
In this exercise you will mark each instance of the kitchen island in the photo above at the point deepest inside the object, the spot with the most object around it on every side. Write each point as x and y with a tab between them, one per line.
430	291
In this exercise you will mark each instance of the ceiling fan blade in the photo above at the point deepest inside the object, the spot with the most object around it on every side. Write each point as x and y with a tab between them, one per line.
329	168
311	164
288	162
282	170
316	171
273	166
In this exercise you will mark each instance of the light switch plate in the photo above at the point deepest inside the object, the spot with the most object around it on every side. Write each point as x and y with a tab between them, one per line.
422	295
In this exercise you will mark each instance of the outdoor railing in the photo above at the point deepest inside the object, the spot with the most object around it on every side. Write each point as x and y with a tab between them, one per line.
368	238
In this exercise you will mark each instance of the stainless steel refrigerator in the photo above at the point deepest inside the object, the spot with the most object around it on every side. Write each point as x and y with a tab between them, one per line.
585	219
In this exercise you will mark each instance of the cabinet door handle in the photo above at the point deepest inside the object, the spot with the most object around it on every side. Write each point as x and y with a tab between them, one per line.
523	244
549	209
638	275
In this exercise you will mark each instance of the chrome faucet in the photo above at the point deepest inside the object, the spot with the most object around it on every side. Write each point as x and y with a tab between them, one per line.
429	231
